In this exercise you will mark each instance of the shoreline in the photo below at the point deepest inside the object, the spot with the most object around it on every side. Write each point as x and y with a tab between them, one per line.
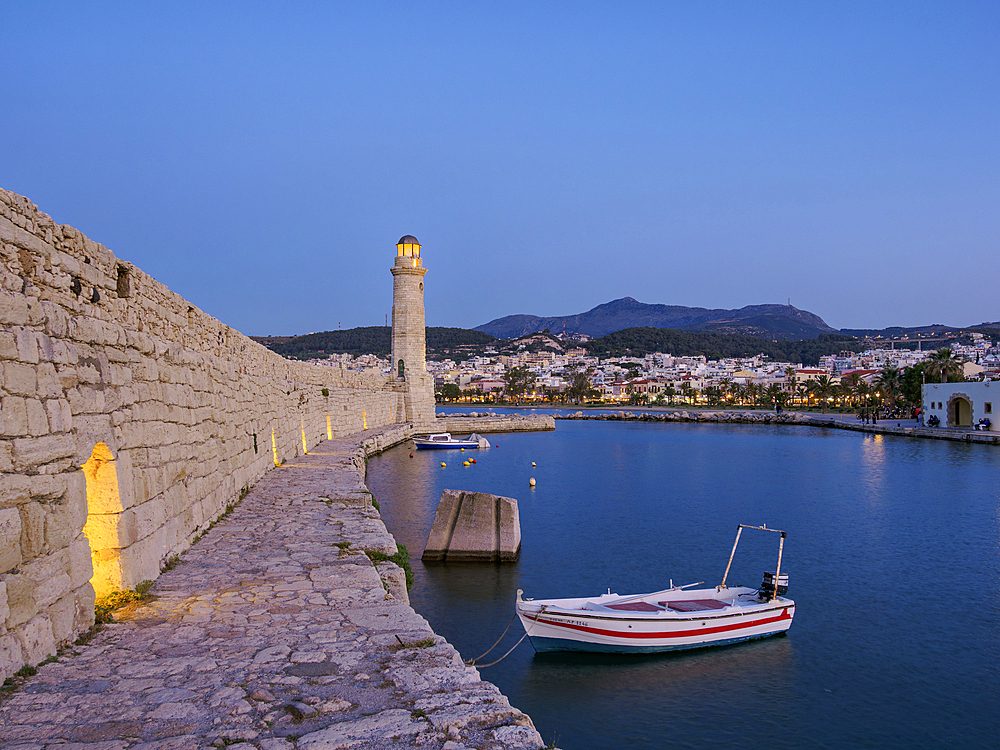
285	628
750	416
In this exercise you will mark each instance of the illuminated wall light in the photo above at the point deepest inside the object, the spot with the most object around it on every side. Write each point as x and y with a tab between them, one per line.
329	429
104	508
302	424
274	448
364	419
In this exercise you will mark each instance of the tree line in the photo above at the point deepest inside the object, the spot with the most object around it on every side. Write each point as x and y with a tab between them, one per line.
376	340
638	342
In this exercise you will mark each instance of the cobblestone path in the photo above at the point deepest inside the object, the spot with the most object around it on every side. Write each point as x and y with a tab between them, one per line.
274	631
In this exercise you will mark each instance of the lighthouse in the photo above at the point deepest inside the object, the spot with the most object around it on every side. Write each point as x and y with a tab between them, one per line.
409	347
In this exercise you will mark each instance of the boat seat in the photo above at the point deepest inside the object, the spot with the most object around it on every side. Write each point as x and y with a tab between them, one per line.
635	607
695	605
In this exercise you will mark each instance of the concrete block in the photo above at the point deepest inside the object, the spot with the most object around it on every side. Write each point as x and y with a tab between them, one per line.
474	527
10	539
37	641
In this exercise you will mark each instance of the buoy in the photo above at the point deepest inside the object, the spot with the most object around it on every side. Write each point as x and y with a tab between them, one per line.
462	449
533	463
465	463
443	463
531	481
411	455
473	460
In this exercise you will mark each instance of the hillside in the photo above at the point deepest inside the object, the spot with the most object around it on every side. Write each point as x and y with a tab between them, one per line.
768	321
638	342
441	342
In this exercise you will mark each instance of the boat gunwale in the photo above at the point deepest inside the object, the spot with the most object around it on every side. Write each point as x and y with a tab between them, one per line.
666	615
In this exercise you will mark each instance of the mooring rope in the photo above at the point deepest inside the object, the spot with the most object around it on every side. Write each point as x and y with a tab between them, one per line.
472	662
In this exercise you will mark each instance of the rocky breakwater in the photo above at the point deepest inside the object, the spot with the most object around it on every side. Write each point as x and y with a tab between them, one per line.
284	627
693	415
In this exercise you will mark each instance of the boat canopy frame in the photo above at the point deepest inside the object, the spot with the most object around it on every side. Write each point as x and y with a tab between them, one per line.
781	548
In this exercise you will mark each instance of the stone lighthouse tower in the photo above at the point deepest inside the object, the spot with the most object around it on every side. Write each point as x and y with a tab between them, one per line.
409	351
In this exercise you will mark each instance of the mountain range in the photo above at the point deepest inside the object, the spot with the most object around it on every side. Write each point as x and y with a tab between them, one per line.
776	322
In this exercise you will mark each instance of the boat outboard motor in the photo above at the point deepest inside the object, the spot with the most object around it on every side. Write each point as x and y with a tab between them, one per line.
767	587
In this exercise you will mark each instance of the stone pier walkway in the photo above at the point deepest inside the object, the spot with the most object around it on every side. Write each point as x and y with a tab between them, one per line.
274	631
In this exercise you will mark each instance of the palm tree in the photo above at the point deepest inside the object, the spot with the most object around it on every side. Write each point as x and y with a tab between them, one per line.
775	395
686	391
889	382
823	387
580	388
944	364
669	391
853	386
802	391
790	379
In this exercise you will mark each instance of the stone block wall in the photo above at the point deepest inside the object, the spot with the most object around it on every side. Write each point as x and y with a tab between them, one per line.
129	420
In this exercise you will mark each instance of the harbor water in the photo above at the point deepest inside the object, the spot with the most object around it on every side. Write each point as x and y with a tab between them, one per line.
893	556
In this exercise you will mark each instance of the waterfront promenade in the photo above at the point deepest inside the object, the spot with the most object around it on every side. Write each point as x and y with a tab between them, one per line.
274	631
902	427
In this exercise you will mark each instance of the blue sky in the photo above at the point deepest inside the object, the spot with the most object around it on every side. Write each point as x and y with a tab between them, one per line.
261	159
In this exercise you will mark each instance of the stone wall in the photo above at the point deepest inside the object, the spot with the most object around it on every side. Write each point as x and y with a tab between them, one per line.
130	420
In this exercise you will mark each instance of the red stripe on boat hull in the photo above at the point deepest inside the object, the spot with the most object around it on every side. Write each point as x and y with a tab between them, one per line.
669	634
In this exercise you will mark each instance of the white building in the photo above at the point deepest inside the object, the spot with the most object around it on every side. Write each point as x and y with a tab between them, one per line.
962	404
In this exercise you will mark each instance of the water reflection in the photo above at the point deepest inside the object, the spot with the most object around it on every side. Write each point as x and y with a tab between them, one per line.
883	521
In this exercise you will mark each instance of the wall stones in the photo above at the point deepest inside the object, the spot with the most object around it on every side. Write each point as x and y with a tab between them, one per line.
173	411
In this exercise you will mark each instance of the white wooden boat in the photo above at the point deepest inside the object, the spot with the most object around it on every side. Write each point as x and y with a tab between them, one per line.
446	440
679	617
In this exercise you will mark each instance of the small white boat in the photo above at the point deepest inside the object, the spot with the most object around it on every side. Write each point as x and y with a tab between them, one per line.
679	617
445	440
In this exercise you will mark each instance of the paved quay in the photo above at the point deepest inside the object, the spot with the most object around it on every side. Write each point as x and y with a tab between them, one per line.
275	631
